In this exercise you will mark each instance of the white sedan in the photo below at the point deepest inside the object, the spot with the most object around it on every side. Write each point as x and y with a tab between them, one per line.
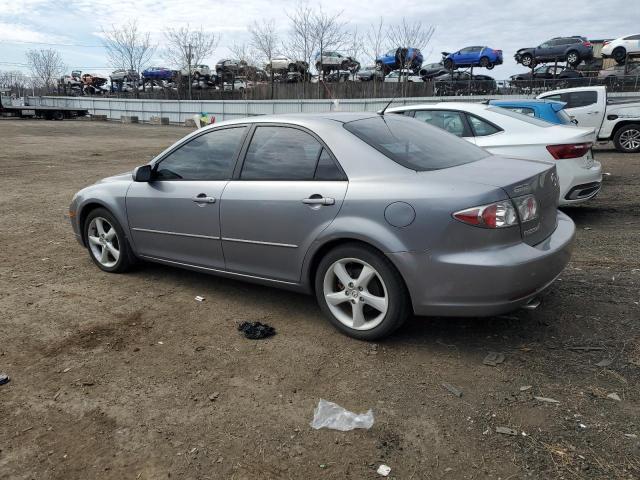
620	47
400	75
503	132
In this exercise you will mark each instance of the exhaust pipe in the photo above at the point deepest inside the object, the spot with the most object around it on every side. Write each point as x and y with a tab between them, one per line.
532	304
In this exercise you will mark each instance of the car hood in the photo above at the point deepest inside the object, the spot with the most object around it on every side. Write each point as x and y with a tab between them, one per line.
117	178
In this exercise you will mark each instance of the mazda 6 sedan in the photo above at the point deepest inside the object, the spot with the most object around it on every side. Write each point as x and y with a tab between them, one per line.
380	216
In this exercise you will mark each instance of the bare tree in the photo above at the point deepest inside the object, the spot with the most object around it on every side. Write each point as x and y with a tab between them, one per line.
406	35
329	32
128	48
46	66
187	47
376	44
301	44
355	47
15	81
264	40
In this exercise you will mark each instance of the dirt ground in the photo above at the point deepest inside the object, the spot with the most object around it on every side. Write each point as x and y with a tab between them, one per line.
128	377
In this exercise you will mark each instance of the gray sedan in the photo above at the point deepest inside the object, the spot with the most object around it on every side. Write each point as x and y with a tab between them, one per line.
380	216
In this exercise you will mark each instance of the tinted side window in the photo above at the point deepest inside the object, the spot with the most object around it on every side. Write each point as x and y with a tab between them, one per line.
210	156
480	127
633	37
557	97
281	153
452	122
327	168
581	99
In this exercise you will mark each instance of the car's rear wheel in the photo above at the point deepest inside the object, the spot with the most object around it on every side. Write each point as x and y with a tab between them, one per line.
486	63
449	64
361	292
573	58
619	55
526	60
627	139
106	242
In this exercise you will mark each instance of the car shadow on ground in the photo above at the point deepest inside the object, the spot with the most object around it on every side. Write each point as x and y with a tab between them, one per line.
463	333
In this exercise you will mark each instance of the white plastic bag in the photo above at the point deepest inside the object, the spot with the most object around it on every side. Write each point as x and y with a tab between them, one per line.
333	416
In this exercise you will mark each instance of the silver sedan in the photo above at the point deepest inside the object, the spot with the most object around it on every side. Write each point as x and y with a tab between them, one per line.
380	216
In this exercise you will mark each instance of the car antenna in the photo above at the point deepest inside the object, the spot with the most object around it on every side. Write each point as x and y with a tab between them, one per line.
381	112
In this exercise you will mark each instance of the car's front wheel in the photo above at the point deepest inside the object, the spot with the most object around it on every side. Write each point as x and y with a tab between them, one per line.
526	60
106	242
619	55
627	139
361	292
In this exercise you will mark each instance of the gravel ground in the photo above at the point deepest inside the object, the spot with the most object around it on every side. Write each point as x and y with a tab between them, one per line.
127	376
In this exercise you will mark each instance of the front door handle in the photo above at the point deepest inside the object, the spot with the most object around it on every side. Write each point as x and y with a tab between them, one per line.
318	200
203	198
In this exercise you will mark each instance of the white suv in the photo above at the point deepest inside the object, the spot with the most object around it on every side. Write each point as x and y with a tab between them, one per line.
197	71
288	64
620	47
336	61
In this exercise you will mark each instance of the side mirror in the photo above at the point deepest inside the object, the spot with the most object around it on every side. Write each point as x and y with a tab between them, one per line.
142	174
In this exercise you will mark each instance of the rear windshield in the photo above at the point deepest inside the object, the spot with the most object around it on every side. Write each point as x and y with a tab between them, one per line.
521	117
414	144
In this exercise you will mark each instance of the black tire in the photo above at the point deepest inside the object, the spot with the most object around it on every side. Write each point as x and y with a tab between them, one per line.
619	54
126	258
527	60
486	63
449	64
399	307
627	138
573	58
58	115
292	67
379	66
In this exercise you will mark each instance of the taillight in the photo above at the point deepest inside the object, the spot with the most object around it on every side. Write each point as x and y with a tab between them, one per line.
606	42
505	213
587	44
570	150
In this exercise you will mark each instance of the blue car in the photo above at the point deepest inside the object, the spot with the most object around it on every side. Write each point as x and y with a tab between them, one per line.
399	58
548	110
472	57
158	73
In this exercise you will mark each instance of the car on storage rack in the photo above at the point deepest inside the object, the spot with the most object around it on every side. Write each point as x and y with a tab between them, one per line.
547	110
368	73
463	83
620	47
572	50
627	74
197	71
476	56
158	73
398	58
510	134
332	60
431	70
283	63
403	75
616	120
123	75
548	75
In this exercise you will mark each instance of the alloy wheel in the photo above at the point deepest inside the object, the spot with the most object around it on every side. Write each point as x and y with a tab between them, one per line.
630	139
572	58
355	294
103	242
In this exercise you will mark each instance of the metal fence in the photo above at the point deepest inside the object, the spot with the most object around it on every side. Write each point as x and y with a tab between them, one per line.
180	110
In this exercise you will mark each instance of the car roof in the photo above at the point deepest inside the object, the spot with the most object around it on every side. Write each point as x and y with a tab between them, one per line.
302	119
466	106
524	101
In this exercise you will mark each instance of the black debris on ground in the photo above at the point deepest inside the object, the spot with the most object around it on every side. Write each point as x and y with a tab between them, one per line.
256	330
4	378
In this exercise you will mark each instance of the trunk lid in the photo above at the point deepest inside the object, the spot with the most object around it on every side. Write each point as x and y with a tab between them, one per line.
518	177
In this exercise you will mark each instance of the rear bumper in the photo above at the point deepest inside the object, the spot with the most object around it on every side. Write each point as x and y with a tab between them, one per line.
576	182
488	281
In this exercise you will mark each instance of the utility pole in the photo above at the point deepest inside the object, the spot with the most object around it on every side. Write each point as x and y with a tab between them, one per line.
189	71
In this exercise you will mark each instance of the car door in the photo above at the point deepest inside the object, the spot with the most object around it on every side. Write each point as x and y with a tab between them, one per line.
286	191
585	107
175	216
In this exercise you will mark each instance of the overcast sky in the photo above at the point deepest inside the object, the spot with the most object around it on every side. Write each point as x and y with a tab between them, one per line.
506	25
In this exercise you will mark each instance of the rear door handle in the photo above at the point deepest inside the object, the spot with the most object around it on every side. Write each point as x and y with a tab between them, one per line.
318	200
203	198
